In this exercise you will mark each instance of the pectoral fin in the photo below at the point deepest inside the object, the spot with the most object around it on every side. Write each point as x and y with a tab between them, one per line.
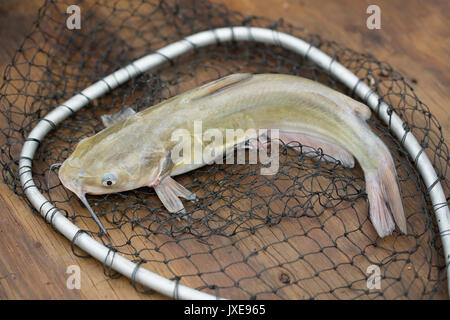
110	119
169	191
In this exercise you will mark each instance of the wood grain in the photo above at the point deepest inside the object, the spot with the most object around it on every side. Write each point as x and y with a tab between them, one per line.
414	39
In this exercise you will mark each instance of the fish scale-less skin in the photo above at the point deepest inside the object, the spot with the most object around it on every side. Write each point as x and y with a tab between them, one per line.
135	149
279	105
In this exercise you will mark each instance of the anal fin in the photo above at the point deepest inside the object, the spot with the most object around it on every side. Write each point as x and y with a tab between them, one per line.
310	144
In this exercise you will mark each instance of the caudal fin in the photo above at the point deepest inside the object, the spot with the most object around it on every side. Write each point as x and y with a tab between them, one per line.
385	202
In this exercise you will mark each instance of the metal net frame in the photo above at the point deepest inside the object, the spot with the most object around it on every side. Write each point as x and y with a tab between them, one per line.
303	233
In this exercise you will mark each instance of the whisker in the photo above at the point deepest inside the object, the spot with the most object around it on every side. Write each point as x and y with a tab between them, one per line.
94	216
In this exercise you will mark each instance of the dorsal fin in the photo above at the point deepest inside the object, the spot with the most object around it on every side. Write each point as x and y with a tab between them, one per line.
110	119
219	85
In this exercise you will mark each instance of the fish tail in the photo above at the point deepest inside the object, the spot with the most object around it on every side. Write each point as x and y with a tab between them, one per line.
385	202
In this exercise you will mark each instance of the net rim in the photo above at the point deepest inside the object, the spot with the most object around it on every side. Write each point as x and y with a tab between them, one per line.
152	280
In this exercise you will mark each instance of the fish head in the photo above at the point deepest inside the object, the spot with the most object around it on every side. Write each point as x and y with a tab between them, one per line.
80	174
97	169
93	180
84	171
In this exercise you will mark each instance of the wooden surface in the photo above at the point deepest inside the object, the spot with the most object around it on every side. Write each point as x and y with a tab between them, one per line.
414	38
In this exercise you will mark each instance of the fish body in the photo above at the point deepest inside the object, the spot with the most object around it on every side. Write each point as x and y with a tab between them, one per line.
135	151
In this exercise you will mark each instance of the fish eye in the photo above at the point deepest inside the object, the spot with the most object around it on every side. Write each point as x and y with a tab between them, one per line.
109	179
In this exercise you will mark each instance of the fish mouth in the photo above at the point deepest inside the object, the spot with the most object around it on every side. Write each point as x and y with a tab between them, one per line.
75	185
66	179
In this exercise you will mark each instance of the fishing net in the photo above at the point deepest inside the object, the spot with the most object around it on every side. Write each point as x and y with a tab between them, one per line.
303	233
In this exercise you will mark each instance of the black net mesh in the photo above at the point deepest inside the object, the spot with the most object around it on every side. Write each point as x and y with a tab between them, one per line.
301	234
